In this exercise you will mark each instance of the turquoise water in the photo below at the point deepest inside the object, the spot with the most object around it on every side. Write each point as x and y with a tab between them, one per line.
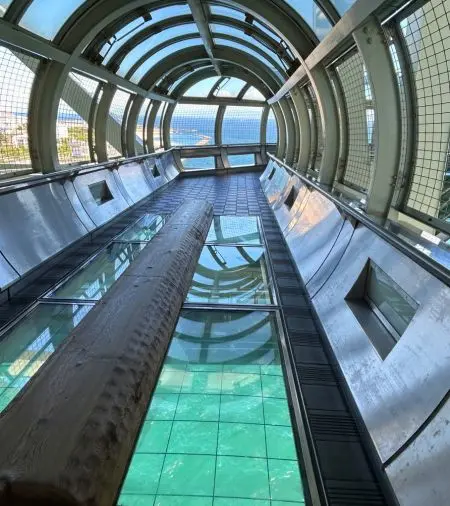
218	430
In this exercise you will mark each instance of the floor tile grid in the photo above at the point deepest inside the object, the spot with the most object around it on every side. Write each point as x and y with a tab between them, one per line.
226	209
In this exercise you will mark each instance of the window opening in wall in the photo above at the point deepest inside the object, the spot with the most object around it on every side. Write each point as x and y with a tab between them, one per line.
155	171
101	192
201	162
241	160
383	309
291	198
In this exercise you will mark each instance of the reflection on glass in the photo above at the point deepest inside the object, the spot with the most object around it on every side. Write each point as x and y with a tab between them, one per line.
234	230
218	430
97	277
31	342
230	275
390	299
144	229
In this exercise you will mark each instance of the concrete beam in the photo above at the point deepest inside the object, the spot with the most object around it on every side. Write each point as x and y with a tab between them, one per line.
203	28
80	416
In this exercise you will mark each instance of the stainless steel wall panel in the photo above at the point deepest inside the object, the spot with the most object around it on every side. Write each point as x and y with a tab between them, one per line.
332	260
395	395
121	186
419	475
147	166
283	213
314	234
168	164
263	178
77	205
160	180
298	207
100	214
134	181
37	223
276	185
7	274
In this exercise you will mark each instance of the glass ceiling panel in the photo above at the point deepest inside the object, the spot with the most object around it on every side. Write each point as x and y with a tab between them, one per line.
267	31
167	51
313	15
144	47
130	30
241	47
202	88
230	88
4	4
234	32
37	18
218	10
343	5
254	94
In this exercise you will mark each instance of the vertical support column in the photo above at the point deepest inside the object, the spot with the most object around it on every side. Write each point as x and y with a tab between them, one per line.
222	160
151	126
297	133
374	49
47	90
343	124
290	131
131	124
281	149
264	120
101	120
304	129
124	128
92	122
330	125
166	119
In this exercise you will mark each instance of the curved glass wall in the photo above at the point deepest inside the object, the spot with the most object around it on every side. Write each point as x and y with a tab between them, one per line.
37	18
272	129
193	125
147	45
230	87
131	29
160	55
202	88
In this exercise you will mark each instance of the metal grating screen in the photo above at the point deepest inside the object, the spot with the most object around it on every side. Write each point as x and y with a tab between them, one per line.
193	125
114	123
72	124
140	140
242	125
17	73
272	129
361	120
427	38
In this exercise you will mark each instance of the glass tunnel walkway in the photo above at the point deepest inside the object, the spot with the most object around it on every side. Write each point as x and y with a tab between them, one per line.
218	429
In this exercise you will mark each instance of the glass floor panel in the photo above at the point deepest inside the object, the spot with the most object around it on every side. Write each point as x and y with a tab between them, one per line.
144	229
234	230
26	346
93	280
218	430
230	275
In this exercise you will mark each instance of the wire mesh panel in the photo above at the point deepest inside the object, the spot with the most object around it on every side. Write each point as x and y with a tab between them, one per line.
242	125
140	140
114	123
427	37
17	73
361	121
193	125
72	124
272	129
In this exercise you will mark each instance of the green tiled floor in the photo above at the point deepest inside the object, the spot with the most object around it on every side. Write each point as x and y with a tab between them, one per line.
217	434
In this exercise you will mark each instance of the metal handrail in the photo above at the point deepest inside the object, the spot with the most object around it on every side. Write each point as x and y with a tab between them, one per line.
430	265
